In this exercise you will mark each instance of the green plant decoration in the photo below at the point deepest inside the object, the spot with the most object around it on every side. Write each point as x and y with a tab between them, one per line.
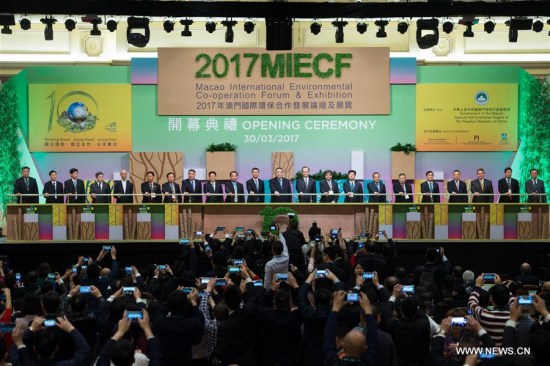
534	128
406	148
321	176
9	140
269	214
226	146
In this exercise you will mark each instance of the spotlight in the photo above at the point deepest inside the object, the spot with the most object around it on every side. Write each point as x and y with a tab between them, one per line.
448	26
315	28
210	26
431	39
538	25
512	35
25	24
229	35
112	25
168	26
548	22
95	27
249	26
138	39
362	27
6	21
402	27
186	23
339	34
489	26
70	24
468	32
381	24
517	24
48	31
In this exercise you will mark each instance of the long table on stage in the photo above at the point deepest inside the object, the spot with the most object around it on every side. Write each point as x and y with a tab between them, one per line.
169	222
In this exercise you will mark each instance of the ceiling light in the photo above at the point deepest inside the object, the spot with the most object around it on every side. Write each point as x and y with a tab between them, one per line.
229	35
95	27
249	26
538	25
138	32
448	26
489	26
70	24
339	34
112	25
362	27
48	31
429	39
25	24
168	26
402	27
315	28
210	26
381	24
468	33
186	23
6	21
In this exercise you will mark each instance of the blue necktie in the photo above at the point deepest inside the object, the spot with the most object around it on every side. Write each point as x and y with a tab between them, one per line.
352	186
378	187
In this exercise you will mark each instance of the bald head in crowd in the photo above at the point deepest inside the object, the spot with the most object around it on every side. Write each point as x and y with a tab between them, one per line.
355	344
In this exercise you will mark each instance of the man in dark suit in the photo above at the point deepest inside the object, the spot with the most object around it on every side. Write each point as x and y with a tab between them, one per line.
192	188
74	186
26	185
306	188
377	189
171	190
151	190
234	190
329	188
122	188
280	187
99	188
353	189
535	188
402	189
53	190
430	189
482	188
457	190
508	188
255	187
213	189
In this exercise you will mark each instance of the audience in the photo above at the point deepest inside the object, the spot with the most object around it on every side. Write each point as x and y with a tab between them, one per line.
273	299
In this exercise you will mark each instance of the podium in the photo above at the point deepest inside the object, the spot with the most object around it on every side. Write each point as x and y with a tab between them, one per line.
533	223
469	225
414	225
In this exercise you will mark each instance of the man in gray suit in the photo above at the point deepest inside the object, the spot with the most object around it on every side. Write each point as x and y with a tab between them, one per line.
535	188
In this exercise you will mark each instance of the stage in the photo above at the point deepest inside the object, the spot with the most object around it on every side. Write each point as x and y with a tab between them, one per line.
498	256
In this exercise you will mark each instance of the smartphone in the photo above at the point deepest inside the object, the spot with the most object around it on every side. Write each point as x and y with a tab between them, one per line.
459	321
380	232
360	245
334	231
134	315
281	277
18	277
352	297
128	270
198	233
408	289
220	228
128	290
84	266
363	235
273	228
489	278
6	328
486	356
49	322
321	273
258	283
525	300
234	269
238	262
207	248
317	239
249	231
221	282
85	259
51	277
241	236
162	267
85	289
184	241
368	275
239	228
187	290
204	280
107	248
75	269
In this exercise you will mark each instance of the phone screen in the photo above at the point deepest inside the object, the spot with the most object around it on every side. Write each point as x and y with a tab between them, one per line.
135	315
49	322
458	321
281	277
85	289
352	297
